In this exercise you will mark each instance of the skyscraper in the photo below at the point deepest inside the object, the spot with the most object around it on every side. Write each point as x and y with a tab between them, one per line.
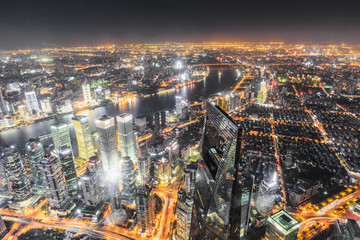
126	136
266	195
32	102
145	208
61	135
14	166
163	119
86	92
156	132
220	187
189	178
35	152
2	103
68	169
144	169
46	105
90	183
178	104
55	185
282	226
184	206
105	126
128	180
83	136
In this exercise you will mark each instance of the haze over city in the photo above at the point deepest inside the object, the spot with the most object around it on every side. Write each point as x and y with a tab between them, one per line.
179	120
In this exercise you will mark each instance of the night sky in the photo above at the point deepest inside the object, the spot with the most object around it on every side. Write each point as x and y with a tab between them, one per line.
33	24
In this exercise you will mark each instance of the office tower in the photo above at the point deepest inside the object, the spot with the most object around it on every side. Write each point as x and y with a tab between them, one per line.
86	92
184	206
178	104
14	166
156	132
282	226
105	126
128	180
35	152
162	170
144	169
2	225
23	111
140	123
68	169
83	136
90	183
46	105
126	136
61	135
189	178
163	119
222	203
32	102
266	195
3	108
55	184
145	207
262	94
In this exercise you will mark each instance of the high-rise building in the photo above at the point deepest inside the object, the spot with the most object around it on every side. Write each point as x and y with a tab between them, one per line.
127	136
145	208
14	166
222	203
266	195
32	102
2	225
35	152
68	169
162	170
61	135
128	180
46	105
23	111
55	185
178	104
86	93
282	226
189	178
144	169
184	206
163	119
3	108
105	126
156	132
83	136
90	183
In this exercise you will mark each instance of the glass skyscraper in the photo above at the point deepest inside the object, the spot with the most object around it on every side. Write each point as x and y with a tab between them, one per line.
221	190
69	170
83	136
61	135
126	136
35	152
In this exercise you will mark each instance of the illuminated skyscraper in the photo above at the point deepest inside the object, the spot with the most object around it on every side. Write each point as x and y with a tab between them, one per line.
90	183
2	103
178	104
68	169
145	208
105	126
14	166
2	225
144	169
282	226
32	102
128	180
86	92
55	185
35	152
83	136
189	178
126	136
184	206
222	193
61	135
266	195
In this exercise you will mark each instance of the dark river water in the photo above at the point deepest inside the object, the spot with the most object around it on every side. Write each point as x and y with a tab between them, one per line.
213	84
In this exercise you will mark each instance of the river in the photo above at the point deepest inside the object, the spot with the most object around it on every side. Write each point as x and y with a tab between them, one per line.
212	84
